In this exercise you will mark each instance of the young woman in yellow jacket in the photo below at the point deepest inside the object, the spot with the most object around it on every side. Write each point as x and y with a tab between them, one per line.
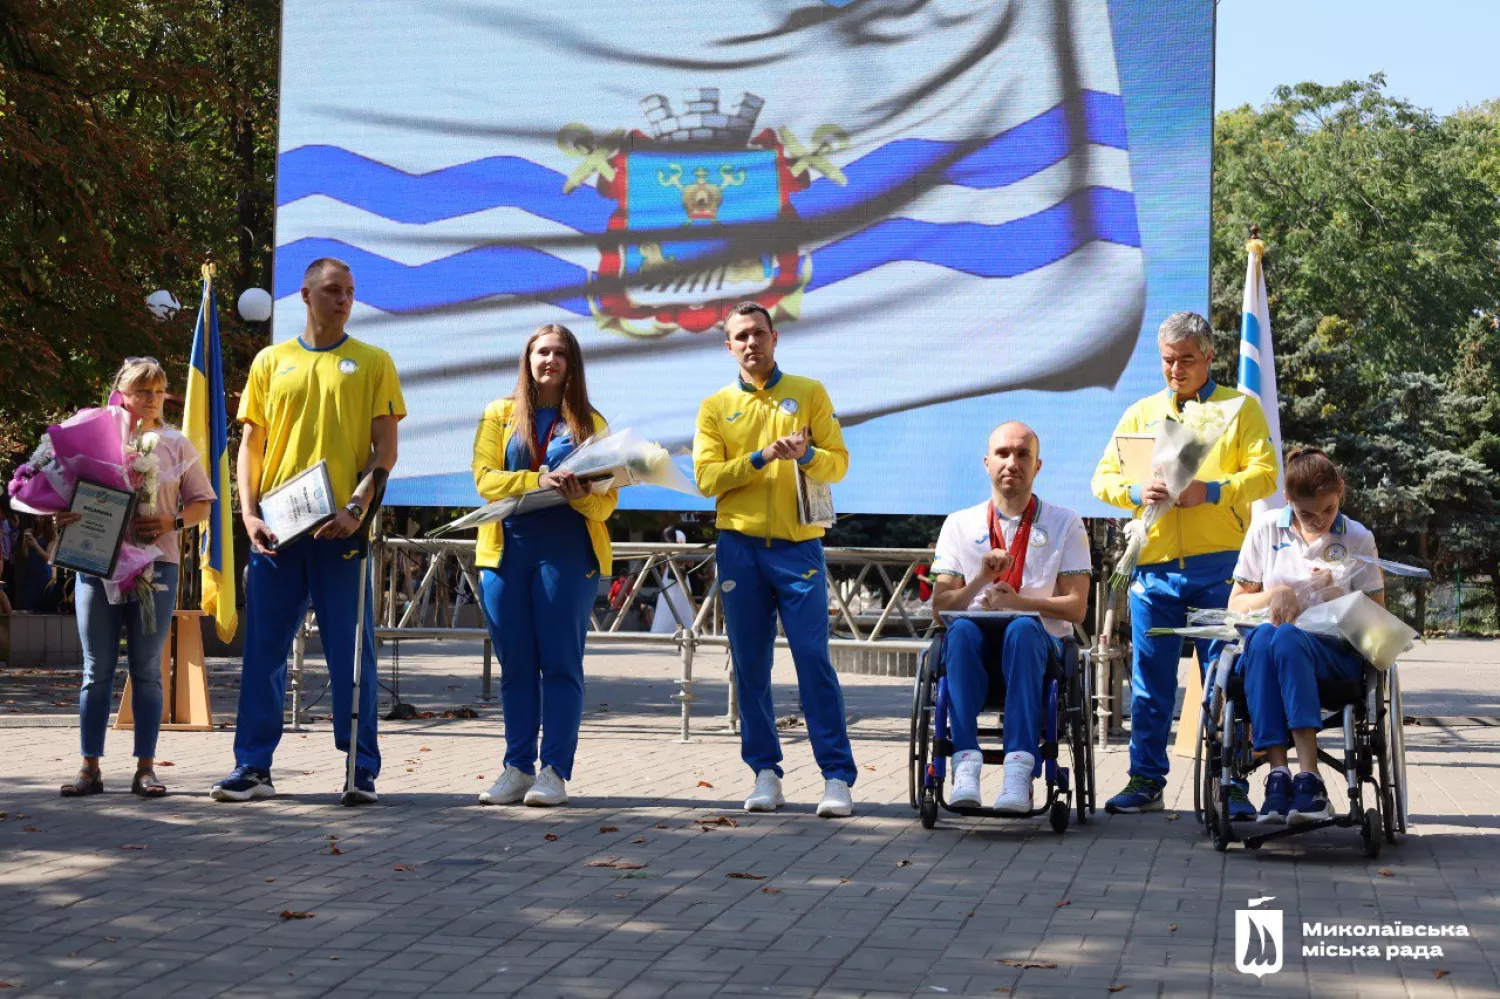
540	570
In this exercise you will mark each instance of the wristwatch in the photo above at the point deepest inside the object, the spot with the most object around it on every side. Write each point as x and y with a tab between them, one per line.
177	524
356	509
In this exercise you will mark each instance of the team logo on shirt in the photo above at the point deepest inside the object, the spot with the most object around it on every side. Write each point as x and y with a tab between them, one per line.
727	586
789	406
1038	538
348	366
1336	553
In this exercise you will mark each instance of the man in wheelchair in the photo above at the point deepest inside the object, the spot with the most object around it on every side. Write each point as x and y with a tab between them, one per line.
1010	553
1279	569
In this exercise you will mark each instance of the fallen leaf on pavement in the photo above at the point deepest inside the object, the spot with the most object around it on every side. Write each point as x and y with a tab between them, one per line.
1170	817
704	783
628	867
1028	964
550	837
1062	903
746	876
30	829
334	851
1171	927
609	829
290	914
134	846
660	825
1439	974
165	763
639	839
330	837
717	820
403	867
1386	872
1117	988
424	749
111	939
843	881
269	880
903	863
771	891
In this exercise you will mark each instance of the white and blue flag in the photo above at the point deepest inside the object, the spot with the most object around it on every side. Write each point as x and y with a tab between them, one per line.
933	200
1258	359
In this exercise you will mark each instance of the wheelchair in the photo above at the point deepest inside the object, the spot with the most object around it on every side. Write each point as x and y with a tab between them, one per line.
1067	721
1368	713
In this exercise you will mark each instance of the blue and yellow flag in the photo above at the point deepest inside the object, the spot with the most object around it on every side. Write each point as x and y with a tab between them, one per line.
206	424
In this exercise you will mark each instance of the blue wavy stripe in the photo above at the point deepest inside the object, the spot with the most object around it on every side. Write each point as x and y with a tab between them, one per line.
991	251
442	194
464	277
1012	156
497	181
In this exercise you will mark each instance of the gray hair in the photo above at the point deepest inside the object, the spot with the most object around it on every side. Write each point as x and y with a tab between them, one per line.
1180	326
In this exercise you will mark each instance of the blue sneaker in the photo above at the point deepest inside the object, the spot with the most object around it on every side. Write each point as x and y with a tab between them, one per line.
1141	794
1240	809
1278	799
244	784
1309	800
364	787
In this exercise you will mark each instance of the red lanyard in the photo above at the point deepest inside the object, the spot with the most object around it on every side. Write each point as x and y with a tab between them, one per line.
538	446
1018	544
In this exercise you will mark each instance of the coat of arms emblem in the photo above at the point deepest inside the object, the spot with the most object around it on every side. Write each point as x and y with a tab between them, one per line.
666	260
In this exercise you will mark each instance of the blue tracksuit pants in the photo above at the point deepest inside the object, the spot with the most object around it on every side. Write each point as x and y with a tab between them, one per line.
536	605
1017	649
1159	598
759	578
279	587
1282	665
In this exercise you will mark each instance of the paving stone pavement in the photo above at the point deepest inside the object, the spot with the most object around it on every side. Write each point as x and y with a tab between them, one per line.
428	893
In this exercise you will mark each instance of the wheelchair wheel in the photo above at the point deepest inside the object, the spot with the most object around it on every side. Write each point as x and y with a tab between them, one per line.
929	810
1372	832
1079	747
1215	800
1396	747
1058	815
921	721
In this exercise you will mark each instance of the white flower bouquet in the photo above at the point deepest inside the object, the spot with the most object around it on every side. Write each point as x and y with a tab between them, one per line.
603	462
1376	634
1182	446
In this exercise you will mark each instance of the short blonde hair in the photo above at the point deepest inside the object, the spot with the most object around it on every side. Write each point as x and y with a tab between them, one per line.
138	371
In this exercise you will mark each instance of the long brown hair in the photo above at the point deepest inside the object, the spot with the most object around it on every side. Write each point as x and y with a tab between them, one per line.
575	409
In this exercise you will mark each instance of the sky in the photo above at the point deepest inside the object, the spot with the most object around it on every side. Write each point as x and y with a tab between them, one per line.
1438	54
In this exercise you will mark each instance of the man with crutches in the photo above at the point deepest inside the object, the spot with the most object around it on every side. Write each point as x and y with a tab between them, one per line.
323	399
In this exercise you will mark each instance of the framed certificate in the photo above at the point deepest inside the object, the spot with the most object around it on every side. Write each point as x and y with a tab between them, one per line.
300	504
1135	455
92	545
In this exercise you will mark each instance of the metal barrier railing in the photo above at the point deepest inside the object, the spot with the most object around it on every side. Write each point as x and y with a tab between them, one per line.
424	586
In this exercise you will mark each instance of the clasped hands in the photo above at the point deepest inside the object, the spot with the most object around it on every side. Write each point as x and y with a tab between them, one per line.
792	446
151	526
997	596
1157	493
1288	602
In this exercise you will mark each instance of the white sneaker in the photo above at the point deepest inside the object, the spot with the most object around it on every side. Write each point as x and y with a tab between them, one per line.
509	789
766	797
549	790
1015	795
836	803
966	767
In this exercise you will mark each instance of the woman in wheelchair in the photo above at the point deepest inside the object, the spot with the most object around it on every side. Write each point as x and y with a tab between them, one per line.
1293	558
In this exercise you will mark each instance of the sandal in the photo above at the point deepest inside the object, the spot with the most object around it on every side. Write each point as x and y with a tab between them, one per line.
147	786
87	782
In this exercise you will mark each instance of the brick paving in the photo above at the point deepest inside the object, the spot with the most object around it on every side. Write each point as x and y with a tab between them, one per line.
427	893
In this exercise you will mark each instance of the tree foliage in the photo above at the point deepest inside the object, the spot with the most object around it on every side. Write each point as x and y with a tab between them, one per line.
134	139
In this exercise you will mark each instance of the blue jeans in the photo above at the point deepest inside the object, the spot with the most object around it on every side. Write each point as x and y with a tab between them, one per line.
760	579
1282	665
1018	650
536	606
99	626
1159	598
277	593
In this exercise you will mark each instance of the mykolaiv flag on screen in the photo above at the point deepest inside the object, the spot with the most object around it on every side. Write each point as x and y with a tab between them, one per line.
1258	359
206	424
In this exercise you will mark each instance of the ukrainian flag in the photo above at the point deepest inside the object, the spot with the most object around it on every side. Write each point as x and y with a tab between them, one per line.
206	424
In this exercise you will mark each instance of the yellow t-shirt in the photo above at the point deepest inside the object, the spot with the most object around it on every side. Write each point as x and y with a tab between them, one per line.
316	405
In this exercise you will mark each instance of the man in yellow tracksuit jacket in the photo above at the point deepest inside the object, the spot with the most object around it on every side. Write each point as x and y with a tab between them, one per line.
752	438
1189	557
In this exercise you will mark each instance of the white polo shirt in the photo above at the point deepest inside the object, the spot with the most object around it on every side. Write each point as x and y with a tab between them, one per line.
1274	554
1058	547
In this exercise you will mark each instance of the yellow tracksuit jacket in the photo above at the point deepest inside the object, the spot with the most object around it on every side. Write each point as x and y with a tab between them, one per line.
1241	469
735	424
493	482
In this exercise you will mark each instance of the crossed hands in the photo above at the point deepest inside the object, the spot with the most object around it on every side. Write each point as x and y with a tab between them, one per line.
792	446
1157	493
566	483
1001	595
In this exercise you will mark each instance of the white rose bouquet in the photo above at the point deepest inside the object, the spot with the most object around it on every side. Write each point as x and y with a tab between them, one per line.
1182	446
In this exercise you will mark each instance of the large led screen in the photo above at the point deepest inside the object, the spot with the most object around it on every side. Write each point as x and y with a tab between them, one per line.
959	212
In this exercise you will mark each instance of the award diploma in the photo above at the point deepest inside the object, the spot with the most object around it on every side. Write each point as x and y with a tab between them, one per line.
92	545
299	505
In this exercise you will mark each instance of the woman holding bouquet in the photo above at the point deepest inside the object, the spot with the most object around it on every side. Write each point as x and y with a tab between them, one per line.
179	503
541	569
1278	570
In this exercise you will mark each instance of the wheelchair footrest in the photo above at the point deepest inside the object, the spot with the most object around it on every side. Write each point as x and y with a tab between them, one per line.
1282	832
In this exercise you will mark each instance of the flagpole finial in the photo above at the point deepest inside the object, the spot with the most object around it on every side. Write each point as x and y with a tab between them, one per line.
1254	244
209	271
